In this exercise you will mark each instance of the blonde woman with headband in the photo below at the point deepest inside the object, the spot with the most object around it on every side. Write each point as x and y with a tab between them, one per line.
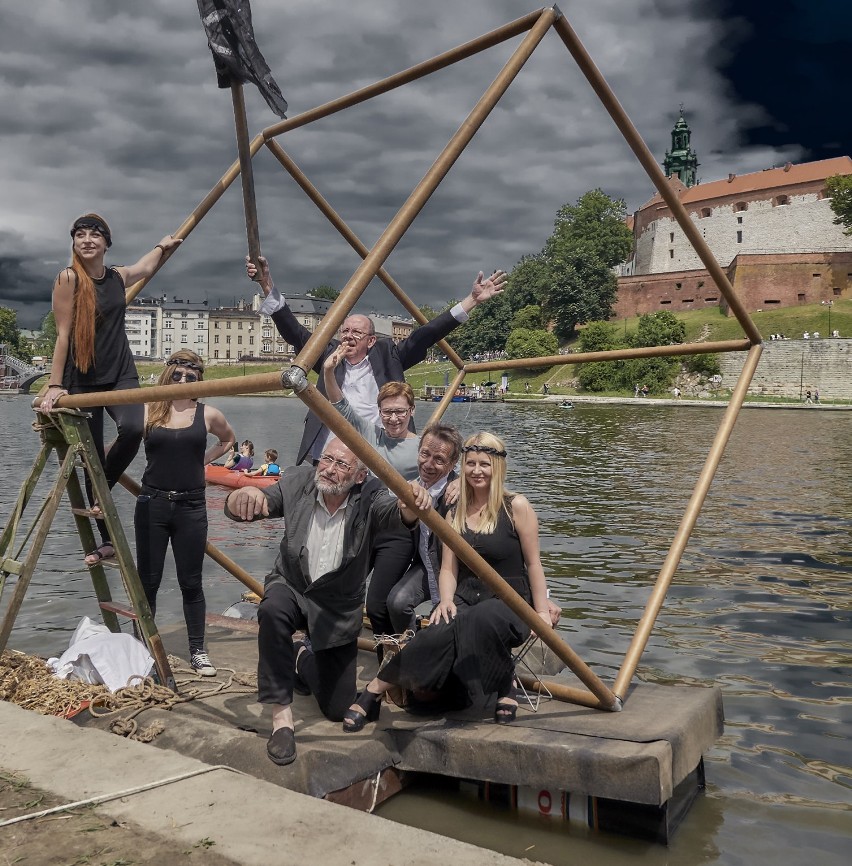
171	506
92	352
463	659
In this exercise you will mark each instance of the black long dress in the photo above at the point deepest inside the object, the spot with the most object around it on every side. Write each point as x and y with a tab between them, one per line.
467	662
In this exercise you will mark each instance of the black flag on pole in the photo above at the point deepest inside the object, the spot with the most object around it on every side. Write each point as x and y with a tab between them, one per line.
230	36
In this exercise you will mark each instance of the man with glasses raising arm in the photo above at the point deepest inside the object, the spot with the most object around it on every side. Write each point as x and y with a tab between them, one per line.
331	517
369	363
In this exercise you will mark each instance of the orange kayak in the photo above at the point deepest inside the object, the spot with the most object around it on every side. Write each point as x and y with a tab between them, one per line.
228	478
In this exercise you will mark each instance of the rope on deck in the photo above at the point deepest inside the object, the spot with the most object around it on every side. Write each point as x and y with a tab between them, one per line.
28	682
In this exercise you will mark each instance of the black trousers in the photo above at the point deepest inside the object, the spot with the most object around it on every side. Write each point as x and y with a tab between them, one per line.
129	421
408	593
159	521
329	673
391	557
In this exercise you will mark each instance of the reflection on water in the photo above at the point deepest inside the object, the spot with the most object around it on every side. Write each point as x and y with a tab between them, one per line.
759	605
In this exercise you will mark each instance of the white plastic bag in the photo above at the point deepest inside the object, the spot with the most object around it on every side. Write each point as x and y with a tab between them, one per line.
97	655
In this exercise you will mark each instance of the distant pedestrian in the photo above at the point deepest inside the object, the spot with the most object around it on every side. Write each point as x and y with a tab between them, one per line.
816	395
808	398
526	387
545	388
636	390
676	392
645	390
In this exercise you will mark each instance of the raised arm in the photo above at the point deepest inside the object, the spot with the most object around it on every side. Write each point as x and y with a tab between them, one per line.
526	523
331	363
146	266
413	349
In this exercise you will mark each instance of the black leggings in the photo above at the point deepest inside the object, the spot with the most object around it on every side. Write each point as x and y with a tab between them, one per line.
129	421
184	523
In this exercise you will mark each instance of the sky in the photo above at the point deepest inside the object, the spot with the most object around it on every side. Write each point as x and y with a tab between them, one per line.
113	107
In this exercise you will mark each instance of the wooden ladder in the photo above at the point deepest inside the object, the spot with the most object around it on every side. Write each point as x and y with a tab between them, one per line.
66	431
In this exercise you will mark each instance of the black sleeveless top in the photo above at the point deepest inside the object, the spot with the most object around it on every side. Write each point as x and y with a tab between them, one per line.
175	458
113	360
502	550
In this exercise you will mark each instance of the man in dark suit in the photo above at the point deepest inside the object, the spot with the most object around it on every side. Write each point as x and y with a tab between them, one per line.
439	452
331	517
370	363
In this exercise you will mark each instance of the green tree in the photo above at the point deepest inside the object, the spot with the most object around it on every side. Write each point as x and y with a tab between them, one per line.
529	343
583	290
325	292
429	312
659	329
486	330
528	282
601	375
589	239
47	338
839	189
10	335
529	317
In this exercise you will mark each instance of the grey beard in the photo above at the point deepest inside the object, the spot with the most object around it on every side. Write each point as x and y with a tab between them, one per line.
333	489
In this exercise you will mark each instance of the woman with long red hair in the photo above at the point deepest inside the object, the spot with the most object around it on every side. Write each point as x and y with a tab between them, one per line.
92	352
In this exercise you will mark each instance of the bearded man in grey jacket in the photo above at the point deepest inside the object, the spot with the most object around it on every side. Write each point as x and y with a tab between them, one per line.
332	514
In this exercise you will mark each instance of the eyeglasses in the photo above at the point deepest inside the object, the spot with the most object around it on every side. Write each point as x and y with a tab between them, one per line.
342	465
355	334
394	413
179	376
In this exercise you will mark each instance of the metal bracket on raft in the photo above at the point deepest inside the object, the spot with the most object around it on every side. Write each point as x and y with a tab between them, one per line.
294	379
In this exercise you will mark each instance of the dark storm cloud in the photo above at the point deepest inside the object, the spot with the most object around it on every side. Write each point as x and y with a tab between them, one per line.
114	107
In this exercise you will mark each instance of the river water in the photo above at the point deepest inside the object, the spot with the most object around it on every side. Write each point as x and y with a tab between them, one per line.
760	605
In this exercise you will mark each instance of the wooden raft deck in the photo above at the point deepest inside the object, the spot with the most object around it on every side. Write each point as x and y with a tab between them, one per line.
636	771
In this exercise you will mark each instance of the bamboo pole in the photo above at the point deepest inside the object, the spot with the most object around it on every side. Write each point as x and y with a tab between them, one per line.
201	210
420	70
649	163
447	398
211	550
397	227
612	355
394	481
183	391
558	690
687	524
351	238
246	172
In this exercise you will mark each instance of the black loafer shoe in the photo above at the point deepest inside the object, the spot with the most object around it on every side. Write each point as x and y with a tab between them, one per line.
281	747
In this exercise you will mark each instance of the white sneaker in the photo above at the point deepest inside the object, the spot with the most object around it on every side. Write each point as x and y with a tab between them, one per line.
200	662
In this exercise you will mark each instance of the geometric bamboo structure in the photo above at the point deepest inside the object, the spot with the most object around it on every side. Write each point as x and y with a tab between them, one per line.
534	25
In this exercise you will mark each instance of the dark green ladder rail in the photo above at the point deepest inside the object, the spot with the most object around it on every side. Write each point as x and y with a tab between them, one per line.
66	431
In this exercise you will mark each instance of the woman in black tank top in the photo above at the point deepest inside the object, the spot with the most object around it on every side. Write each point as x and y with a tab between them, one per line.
92	352
464	659
171	506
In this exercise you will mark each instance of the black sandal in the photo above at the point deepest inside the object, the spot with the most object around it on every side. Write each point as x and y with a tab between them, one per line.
371	704
505	712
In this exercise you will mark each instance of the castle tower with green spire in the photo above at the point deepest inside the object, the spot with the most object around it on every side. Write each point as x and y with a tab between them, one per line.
681	160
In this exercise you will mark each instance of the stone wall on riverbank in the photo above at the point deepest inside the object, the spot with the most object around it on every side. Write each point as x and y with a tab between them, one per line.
789	368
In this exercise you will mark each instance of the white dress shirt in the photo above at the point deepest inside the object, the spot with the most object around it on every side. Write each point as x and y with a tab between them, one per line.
435	491
325	538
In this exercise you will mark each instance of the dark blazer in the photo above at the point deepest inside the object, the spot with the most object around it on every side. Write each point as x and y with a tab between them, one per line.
333	602
388	360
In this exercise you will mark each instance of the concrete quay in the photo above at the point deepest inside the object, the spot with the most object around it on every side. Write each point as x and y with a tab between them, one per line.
634	772
183	800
